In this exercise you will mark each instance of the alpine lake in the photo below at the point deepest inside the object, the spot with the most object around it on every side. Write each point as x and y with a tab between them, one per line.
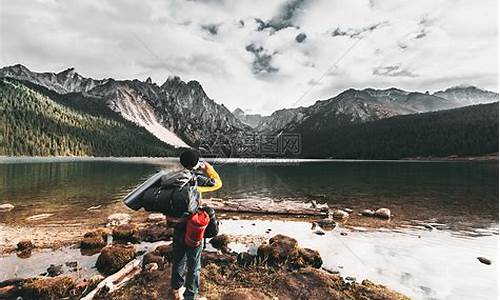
456	201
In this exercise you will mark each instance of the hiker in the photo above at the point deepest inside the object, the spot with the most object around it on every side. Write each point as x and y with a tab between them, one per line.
190	231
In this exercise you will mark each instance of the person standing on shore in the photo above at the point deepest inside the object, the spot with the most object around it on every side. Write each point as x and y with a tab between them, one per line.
186	252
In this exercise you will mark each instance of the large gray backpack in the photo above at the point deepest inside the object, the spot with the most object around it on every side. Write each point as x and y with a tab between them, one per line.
175	195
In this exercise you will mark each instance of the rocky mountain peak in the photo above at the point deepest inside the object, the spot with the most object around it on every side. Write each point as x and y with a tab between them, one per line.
238	112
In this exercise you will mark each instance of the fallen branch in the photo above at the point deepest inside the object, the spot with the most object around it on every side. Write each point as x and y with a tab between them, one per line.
285	207
118	279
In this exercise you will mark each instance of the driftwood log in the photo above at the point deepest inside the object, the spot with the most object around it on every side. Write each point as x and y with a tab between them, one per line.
117	280
272	207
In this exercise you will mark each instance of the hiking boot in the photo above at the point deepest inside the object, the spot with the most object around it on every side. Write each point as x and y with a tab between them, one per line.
177	293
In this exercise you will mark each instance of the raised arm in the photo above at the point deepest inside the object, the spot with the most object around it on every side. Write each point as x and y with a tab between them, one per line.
214	183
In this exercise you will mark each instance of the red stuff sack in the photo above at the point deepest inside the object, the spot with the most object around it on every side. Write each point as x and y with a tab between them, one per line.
195	228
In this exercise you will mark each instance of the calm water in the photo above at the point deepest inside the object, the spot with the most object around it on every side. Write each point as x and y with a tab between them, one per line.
460	197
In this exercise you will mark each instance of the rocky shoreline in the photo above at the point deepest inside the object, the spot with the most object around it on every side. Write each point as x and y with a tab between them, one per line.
280	268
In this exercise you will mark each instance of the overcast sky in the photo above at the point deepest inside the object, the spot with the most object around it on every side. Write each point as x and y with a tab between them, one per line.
260	55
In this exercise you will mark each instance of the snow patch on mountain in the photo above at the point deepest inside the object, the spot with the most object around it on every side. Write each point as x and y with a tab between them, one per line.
134	108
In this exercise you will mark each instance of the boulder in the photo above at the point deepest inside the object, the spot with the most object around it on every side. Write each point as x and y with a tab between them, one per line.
6	207
164	251
309	257
154	233
153	257
327	224
114	257
383	213
94	239
340	214
220	242
25	245
118	219
125	233
157	217
368	212
280	249
58	287
54	270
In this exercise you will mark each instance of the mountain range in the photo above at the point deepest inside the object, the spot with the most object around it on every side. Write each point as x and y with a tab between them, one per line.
180	113
357	106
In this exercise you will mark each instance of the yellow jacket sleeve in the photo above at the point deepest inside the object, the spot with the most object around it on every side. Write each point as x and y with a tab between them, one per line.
213	175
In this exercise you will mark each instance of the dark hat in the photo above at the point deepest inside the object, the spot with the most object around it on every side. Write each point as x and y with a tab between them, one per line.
189	159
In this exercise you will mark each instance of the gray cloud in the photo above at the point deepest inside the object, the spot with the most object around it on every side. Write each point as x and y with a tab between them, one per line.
213	29
393	71
285	17
260	70
421	34
261	65
357	32
300	37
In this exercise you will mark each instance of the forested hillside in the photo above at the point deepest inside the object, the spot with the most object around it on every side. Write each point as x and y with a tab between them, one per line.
37	122
467	131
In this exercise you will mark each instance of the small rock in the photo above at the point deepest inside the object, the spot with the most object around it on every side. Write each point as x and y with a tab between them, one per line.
24	254
73	265
94	239
165	251
6	207
25	245
153	257
484	260
340	214
245	259
54	270
343	233
335	272
327	224
310	257
118	219
347	210
151	267
235	218
383	213
125	233
157	217
220	242
350	278
154	233
368	212
319	232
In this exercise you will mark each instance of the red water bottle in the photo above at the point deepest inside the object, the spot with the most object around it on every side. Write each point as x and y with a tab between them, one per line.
195	228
